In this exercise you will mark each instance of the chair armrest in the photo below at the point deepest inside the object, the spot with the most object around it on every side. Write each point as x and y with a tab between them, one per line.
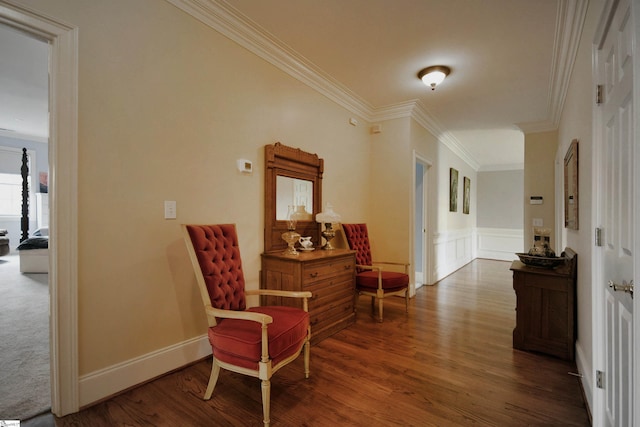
277	293
262	318
368	267
305	295
404	264
390	263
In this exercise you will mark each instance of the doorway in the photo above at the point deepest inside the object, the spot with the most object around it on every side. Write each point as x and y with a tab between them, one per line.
24	120
420	260
63	167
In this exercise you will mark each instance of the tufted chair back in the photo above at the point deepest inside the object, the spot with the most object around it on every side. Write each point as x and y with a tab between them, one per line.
218	253
358	239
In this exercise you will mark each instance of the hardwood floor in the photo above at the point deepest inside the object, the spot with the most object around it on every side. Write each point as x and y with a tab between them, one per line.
449	362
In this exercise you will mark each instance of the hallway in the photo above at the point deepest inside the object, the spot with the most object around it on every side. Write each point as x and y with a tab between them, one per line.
449	362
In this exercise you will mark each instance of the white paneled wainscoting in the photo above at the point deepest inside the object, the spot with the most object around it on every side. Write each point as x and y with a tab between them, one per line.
452	250
455	248
500	243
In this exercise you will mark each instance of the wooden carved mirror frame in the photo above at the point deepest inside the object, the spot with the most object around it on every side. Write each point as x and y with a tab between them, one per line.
571	212
284	161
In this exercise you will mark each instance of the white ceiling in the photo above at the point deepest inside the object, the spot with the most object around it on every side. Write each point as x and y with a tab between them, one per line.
510	61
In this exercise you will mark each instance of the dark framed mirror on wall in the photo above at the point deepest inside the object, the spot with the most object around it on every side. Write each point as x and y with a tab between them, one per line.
293	181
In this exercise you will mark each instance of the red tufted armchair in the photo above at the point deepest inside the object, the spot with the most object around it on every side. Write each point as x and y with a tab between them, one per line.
371	279
256	341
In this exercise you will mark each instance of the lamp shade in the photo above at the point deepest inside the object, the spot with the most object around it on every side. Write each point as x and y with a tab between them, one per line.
328	215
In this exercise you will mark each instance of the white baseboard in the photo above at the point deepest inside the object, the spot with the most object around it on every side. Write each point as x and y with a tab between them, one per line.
114	379
586	370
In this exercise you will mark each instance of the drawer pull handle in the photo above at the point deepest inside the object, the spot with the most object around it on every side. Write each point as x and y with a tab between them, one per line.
314	274
347	267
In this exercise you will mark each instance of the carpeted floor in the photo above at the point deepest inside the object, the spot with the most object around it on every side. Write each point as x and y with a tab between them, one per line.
24	342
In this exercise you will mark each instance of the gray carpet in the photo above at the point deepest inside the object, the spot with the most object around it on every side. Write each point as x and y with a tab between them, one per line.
24	342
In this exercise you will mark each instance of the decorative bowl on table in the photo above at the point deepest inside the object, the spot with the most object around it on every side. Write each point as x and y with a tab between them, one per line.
540	261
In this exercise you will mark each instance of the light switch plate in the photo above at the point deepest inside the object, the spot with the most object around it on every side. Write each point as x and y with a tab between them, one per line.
169	209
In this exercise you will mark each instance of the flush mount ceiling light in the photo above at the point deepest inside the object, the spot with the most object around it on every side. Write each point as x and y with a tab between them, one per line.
433	76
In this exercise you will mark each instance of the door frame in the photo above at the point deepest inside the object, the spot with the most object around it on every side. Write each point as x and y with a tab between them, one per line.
426	247
597	282
63	171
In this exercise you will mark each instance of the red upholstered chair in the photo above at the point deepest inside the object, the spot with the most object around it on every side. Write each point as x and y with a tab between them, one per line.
253	341
371	279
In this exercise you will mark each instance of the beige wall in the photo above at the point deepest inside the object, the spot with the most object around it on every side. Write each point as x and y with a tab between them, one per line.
539	180
391	183
166	106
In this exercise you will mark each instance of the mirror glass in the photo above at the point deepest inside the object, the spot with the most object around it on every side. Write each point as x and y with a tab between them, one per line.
293	192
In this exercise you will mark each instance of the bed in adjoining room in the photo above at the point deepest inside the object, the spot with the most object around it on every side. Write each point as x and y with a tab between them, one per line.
34	252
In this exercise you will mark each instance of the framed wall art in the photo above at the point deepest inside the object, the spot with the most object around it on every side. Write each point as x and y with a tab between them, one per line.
466	199
453	190
571	187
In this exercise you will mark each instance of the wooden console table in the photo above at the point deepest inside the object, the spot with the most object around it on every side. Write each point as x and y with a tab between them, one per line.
546	308
329	275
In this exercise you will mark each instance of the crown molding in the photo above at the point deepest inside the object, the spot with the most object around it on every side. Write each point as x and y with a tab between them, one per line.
421	115
535	127
226	20
569	26
394	111
501	168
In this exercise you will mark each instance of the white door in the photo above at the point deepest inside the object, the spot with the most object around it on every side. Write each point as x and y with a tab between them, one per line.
615	136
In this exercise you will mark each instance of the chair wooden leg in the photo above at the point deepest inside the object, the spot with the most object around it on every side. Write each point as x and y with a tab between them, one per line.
373	305
306	359
213	379
266	401
380	300
406	300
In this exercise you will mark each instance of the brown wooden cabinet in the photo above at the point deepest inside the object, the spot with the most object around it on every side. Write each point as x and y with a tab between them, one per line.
546	308
328	275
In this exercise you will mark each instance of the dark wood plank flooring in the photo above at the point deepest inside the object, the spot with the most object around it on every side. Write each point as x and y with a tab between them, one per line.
449	362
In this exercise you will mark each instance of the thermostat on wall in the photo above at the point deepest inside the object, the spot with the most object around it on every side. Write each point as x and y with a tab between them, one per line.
536	200
245	166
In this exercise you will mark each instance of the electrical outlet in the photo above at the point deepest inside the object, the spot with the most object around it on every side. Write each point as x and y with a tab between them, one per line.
169	209
537	222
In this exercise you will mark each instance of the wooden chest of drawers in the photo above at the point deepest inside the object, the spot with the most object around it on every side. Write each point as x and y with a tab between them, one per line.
328	275
546	308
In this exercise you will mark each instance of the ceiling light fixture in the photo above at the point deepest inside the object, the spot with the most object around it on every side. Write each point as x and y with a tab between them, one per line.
433	76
